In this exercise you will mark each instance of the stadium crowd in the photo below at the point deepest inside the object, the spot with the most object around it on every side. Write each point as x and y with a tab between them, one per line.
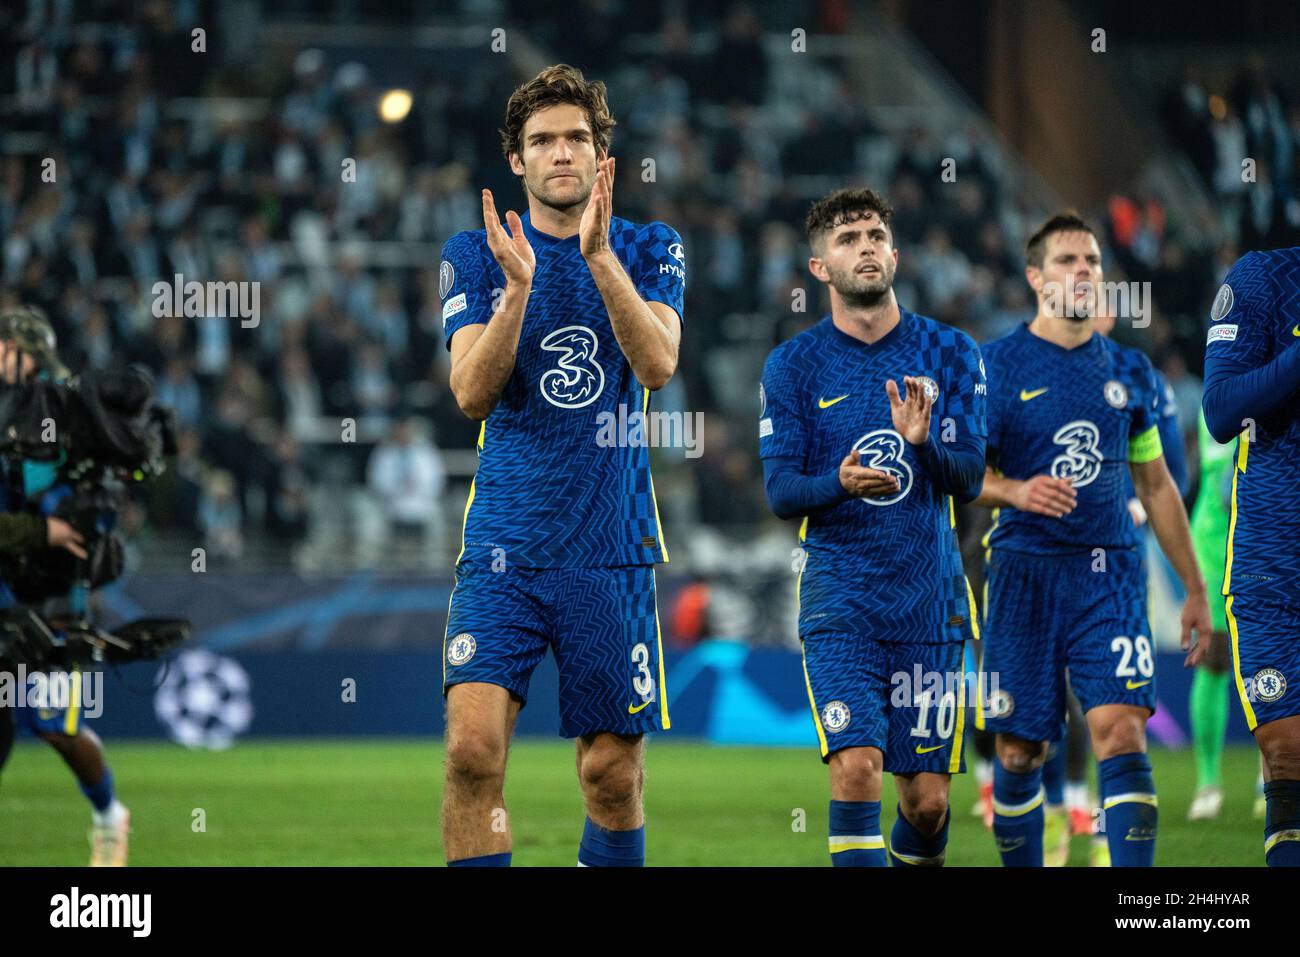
171	163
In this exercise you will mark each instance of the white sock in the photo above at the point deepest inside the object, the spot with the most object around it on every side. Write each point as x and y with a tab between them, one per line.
111	816
1076	794
983	771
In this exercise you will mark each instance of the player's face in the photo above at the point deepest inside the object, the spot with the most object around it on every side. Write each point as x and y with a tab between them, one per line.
9	359
858	260
558	163
1071	273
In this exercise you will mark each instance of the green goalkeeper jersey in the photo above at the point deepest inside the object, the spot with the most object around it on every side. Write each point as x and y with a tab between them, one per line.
1211	515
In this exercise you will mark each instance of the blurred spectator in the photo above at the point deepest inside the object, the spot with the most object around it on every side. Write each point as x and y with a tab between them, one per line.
407	477
179	390
220	517
171	163
945	272
298	400
288	510
372	385
174	497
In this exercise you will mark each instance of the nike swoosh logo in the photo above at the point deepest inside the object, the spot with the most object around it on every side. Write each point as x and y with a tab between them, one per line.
632	710
827	403
1132	685
1296	331
921	750
1026	396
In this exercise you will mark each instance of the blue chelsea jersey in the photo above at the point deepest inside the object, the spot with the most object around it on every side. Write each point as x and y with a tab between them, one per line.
1083	414
548	493
890	567
1255	320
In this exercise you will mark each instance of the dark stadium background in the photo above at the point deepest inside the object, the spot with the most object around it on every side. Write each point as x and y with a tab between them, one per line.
225	164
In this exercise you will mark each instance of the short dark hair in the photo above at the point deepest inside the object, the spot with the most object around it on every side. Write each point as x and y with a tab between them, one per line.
554	85
1066	221
846	206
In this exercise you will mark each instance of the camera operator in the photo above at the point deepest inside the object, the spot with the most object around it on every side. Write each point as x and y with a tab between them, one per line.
27	350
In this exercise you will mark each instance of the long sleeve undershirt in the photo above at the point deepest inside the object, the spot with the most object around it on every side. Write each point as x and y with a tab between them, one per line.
1233	395
957	469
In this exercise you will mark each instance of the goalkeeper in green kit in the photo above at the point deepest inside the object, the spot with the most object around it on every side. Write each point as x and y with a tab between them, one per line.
1209	698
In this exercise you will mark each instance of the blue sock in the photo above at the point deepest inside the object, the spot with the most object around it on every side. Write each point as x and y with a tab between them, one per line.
855	835
1054	774
487	860
100	794
1018	816
1282	824
602	848
1128	801
908	847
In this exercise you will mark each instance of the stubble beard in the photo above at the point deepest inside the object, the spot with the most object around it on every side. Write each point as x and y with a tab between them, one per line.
864	294
541	195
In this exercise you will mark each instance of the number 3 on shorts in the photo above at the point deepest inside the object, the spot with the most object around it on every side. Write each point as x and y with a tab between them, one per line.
643	684
1125	648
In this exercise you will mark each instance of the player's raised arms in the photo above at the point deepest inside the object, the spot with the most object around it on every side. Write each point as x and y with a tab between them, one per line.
483	356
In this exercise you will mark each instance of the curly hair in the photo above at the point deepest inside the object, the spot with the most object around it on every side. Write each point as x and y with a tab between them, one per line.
845	206
554	85
1067	221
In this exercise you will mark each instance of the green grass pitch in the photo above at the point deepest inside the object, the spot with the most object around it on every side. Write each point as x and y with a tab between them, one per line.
368	802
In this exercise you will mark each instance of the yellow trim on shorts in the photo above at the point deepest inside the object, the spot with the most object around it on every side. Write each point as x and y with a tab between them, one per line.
1243	455
954	759
1251	721
659	639
72	716
980	716
812	702
1145	447
445	628
482	434
974	611
659	527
